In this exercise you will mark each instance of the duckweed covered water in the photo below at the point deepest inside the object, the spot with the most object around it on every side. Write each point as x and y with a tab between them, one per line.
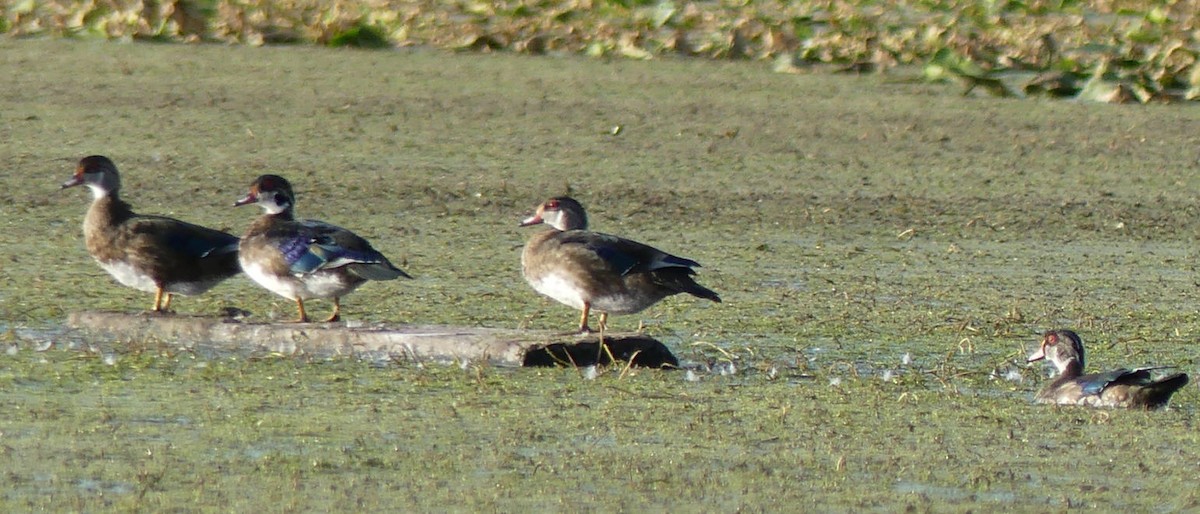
886	251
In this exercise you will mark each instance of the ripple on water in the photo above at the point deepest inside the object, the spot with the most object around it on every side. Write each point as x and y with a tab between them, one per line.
954	493
104	486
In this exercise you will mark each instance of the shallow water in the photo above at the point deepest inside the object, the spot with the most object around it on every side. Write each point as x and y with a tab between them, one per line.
851	221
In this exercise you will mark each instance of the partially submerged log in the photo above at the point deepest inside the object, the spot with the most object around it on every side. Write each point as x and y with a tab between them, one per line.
636	349
400	342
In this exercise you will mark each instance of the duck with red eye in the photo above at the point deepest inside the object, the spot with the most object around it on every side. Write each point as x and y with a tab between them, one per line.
590	270
155	254
1120	388
305	259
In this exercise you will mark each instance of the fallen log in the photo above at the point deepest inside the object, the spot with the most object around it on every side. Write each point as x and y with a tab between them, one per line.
417	343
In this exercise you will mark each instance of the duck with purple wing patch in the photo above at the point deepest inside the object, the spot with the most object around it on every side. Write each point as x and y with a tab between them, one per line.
590	270
305	259
155	254
1120	388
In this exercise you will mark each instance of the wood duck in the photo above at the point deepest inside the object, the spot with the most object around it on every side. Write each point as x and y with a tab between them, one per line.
305	259
590	270
155	254
1119	388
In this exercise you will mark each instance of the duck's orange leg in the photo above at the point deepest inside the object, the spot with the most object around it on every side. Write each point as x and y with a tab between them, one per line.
158	296
583	319
300	307
166	307
337	310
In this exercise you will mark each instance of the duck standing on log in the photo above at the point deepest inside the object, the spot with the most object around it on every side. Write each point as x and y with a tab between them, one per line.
155	254
305	259
590	270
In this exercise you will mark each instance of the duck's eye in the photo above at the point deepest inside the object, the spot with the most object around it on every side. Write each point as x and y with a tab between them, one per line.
1052	339
551	205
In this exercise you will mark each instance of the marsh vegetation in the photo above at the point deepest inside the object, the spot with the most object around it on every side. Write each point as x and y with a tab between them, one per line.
1126	51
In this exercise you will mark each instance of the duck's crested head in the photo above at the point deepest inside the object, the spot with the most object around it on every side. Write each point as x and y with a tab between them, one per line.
98	173
1060	347
560	212
271	192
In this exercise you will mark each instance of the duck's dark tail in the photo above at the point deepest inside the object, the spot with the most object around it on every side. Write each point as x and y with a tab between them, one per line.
382	270
1171	384
680	280
1159	392
700	291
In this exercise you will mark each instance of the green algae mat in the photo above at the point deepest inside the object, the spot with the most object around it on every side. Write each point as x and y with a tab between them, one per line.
887	252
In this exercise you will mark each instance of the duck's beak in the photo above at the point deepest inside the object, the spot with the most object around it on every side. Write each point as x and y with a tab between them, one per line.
250	198
1039	354
532	220
75	181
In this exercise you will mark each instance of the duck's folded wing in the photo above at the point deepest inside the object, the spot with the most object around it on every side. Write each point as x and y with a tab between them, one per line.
626	256
323	246
1144	376
297	252
1095	383
186	238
